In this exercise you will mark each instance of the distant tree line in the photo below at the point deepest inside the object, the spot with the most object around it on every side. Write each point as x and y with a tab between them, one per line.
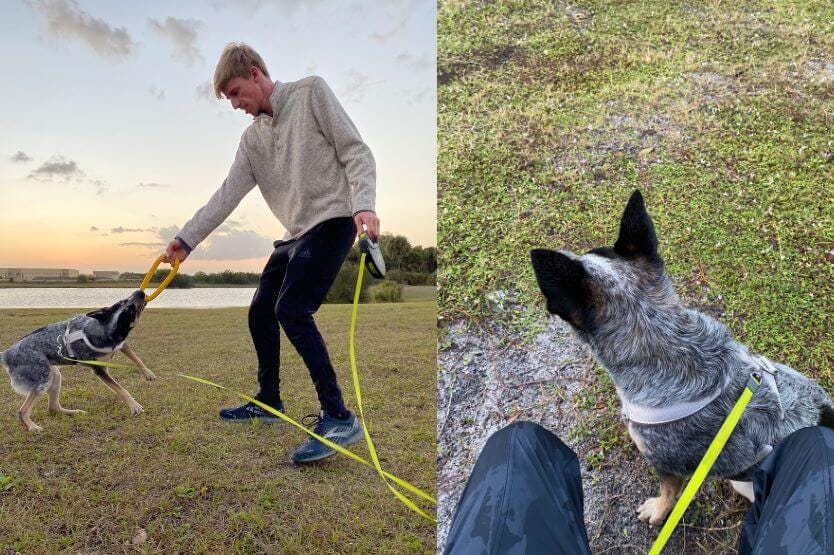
405	264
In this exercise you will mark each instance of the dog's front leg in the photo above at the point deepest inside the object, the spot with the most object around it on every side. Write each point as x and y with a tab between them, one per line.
146	373
135	408
745	489
656	509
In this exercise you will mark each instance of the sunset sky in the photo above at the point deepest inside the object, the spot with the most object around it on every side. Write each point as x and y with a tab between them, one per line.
112	137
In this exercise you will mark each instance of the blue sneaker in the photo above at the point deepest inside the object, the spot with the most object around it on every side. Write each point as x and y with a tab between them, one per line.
249	412
342	432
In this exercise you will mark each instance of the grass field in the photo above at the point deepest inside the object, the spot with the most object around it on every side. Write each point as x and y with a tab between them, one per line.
194	484
551	113
419	293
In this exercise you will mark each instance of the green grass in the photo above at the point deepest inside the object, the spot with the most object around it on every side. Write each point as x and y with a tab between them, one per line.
551	113
419	293
548	121
196	484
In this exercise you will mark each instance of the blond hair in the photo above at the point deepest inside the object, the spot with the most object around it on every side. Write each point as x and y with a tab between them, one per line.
235	61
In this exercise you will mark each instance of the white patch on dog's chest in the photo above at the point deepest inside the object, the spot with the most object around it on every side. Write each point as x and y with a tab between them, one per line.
637	438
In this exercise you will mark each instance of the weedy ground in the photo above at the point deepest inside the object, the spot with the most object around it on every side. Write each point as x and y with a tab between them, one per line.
177	479
550	115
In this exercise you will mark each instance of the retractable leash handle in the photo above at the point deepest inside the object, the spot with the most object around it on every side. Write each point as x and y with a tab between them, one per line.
373	256
171	275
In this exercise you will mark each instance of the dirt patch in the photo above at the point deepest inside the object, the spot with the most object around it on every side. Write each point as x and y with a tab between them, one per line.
486	382
488	59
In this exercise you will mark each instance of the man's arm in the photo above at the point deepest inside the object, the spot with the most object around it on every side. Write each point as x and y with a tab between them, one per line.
240	181
352	152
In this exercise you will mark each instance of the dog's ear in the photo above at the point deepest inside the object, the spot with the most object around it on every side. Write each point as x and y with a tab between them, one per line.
637	237
103	315
563	280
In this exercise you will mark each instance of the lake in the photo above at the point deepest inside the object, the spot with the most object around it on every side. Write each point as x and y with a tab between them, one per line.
93	297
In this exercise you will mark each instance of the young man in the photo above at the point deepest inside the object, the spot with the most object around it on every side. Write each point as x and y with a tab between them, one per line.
319	179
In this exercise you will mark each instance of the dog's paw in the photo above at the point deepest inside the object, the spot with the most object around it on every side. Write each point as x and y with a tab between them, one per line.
34	427
136	408
62	410
654	510
148	375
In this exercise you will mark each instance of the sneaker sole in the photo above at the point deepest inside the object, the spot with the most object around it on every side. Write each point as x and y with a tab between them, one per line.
349	441
264	419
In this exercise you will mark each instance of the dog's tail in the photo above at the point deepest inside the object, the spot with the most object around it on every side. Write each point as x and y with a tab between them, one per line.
826	416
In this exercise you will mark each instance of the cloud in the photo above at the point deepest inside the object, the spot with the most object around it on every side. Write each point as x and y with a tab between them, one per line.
205	90
226	243
121	229
57	167
158	94
183	35
93	228
20	156
101	186
401	20
286	8
415	63
148	245
152	185
419	96
356	86
233	244
65	20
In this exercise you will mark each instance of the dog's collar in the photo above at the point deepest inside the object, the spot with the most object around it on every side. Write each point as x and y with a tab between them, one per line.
71	337
641	414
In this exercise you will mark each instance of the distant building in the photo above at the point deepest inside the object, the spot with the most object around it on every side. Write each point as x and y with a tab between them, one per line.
38	274
106	276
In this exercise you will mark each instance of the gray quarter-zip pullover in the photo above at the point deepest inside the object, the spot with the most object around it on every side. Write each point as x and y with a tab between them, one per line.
308	160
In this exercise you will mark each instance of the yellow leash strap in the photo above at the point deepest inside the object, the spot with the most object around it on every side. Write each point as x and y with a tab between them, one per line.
399	481
168	279
371	449
706	463
104	364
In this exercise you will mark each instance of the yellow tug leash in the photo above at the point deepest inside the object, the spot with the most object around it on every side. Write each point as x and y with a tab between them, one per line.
175	267
706	463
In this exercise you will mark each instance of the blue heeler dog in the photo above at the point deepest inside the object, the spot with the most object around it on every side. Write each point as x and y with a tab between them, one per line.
677	371
32	362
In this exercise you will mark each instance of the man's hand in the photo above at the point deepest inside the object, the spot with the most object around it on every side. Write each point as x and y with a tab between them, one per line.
370	221
175	249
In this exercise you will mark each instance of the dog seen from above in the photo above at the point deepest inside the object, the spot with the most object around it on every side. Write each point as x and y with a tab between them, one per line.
678	372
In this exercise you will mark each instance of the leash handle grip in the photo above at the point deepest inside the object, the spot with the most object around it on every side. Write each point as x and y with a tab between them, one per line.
168	279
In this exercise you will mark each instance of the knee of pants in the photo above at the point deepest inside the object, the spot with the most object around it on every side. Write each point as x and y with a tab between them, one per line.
526	434
291	317
811	434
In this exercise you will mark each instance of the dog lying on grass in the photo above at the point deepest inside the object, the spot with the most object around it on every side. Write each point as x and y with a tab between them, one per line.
32	362
677	371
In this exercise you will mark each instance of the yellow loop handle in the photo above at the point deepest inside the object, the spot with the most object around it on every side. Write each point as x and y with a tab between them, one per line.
171	275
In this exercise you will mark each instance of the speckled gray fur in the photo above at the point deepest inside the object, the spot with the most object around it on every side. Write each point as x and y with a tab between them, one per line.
29	361
622	304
